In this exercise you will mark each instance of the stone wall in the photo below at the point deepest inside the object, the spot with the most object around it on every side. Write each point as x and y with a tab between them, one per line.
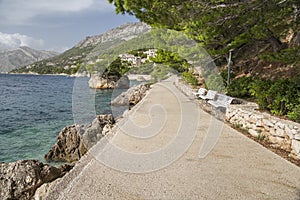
282	133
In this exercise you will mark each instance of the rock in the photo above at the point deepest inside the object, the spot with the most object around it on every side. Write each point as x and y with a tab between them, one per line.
74	141
140	78
279	125
95	131
268	123
123	83
280	132
297	137
296	146
131	97
68	147
98	82
253	132
19	180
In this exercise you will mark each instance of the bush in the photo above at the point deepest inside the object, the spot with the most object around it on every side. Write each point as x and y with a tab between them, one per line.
280	97
215	82
241	87
190	78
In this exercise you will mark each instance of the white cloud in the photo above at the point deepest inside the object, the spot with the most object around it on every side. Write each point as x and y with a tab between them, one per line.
8	41
21	11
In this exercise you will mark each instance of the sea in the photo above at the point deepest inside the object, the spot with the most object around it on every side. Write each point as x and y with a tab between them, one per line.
35	108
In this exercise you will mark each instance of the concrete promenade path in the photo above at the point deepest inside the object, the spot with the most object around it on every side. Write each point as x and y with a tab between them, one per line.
162	149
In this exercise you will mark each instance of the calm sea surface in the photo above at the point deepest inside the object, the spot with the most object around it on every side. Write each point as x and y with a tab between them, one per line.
33	110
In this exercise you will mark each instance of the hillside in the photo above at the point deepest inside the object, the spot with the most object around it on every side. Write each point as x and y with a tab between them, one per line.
16	58
86	51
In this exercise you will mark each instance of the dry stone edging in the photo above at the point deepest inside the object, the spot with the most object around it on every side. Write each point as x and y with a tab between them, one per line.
282	133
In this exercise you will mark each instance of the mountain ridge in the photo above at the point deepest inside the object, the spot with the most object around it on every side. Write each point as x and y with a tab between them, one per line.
11	59
70	61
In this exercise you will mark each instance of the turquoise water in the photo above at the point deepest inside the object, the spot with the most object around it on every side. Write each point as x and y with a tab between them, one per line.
34	109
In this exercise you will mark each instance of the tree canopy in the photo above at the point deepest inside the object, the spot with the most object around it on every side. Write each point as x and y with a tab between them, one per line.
220	25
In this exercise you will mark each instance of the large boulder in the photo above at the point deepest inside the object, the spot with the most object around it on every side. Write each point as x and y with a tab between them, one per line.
132	96
75	140
69	146
98	82
19	180
123	83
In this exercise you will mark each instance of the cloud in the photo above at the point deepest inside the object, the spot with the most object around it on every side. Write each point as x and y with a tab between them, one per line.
21	12
8	41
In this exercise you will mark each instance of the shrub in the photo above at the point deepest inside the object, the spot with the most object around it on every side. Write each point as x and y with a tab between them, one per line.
215	82
190	78
240	87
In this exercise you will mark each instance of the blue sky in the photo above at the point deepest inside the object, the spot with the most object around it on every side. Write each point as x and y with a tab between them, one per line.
55	24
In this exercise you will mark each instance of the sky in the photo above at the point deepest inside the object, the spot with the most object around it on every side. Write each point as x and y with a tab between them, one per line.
55	25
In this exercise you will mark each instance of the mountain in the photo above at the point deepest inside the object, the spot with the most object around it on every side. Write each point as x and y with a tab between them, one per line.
22	56
86	51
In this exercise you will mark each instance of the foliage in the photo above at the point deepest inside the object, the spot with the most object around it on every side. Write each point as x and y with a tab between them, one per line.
280	97
189	78
161	72
294	114
215	24
214	81
286	56
241	87
172	59
145	68
117	68
224	75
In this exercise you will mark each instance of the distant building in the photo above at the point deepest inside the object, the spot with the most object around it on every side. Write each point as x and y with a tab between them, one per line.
137	60
150	53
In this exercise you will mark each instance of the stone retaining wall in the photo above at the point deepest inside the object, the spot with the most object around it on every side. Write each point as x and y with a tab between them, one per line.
282	133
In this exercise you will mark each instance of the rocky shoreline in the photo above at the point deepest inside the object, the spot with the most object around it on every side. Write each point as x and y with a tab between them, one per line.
28	179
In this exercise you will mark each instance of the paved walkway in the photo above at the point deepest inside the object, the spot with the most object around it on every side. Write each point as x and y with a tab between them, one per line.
155	151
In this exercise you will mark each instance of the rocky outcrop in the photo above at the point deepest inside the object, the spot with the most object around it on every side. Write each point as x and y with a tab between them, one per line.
19	180
74	141
98	82
132	96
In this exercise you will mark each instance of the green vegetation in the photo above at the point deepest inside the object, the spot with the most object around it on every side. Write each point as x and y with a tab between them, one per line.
257	31
189	78
215	24
280	97
241	87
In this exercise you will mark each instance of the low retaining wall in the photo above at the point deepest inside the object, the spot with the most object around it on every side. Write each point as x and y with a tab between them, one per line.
282	133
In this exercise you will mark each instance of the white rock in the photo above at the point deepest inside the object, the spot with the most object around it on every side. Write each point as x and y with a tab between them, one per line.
253	132
289	132
268	123
297	137
296	146
280	125
272	131
275	140
259	123
280	132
